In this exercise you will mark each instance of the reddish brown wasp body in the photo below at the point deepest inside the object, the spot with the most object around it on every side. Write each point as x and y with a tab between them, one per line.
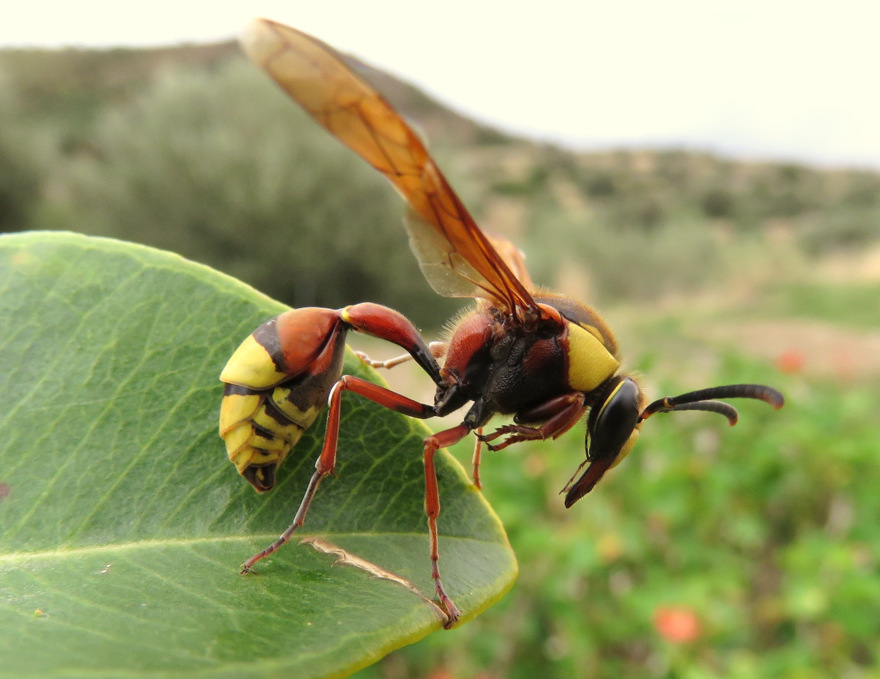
543	358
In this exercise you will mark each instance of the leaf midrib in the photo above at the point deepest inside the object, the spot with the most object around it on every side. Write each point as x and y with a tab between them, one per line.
189	542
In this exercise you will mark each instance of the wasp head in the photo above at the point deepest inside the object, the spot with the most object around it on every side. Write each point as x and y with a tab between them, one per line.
612	431
613	425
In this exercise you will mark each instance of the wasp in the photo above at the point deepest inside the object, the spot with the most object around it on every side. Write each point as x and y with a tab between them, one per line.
538	356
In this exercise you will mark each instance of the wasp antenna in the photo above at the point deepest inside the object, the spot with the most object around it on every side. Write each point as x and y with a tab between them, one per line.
667	405
719	407
758	392
705	399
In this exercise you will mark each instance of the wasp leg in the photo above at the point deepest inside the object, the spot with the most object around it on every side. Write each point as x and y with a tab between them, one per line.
555	416
406	406
438	350
387	363
432	509
327	462
478	454
392	326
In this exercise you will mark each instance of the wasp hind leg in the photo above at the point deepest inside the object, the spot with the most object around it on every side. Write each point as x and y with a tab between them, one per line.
432	509
326	463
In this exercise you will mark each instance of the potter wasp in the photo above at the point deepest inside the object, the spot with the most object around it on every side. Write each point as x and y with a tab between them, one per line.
544	359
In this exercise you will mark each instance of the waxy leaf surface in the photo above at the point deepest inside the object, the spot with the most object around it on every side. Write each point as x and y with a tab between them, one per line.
122	523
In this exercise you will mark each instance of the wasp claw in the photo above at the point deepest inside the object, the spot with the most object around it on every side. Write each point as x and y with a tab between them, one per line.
452	613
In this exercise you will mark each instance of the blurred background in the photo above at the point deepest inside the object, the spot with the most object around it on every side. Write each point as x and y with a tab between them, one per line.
708	179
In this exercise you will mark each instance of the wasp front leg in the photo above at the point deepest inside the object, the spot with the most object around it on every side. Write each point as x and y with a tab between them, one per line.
477	457
438	350
553	418
439	440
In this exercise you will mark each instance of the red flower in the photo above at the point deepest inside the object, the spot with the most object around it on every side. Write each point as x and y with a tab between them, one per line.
791	361
677	624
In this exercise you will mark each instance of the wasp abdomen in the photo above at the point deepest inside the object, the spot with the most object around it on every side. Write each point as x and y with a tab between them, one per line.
277	383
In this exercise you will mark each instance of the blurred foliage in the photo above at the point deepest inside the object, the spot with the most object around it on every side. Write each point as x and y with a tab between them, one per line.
20	177
218	166
258	191
67	87
678	219
849	305
764	537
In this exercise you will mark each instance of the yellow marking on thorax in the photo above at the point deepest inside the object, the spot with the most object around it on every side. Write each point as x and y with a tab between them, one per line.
589	362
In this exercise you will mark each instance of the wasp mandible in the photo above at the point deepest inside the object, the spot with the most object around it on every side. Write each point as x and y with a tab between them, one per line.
540	357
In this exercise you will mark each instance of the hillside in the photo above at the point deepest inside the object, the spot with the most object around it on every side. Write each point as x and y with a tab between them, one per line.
76	123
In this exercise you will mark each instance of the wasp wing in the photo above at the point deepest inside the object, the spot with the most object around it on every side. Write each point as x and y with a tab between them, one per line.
514	258
317	78
450	274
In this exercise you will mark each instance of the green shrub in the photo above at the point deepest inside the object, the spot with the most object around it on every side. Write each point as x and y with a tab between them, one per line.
221	168
19	168
766	534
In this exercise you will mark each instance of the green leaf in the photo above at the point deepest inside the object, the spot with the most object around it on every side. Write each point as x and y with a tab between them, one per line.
123	525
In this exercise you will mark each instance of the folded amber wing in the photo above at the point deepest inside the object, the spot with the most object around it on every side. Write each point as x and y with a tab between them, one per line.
458	258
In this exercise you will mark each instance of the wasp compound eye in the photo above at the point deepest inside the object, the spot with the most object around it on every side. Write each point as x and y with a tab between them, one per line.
612	433
616	420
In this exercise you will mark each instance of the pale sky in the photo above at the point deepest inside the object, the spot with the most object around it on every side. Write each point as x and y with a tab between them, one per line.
775	79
